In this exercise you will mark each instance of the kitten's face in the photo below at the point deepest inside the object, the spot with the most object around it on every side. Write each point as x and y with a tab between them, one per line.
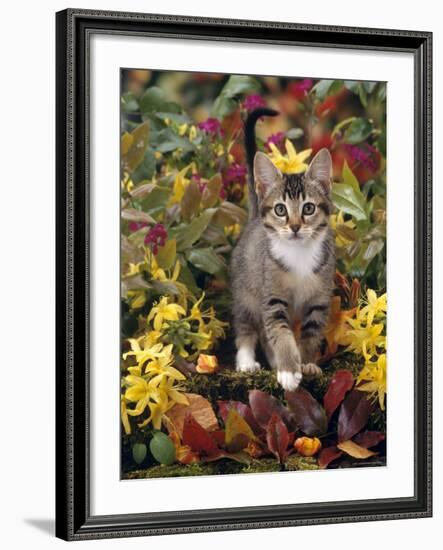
294	207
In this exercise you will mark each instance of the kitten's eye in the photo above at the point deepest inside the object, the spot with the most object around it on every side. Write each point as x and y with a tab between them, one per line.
308	209
280	209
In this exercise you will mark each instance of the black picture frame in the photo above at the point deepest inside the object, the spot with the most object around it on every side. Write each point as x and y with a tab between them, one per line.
74	28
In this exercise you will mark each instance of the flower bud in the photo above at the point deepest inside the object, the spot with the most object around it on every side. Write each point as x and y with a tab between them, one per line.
307	446
206	364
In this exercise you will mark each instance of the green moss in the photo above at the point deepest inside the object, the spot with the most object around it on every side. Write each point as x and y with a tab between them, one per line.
297	462
261	466
174	470
229	384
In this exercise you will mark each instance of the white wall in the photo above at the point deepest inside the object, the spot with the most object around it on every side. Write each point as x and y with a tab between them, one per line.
27	244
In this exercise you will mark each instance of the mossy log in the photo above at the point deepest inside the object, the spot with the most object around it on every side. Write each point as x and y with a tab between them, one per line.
228	384
224	467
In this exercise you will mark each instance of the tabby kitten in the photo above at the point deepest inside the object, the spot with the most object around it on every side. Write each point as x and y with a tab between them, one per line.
284	263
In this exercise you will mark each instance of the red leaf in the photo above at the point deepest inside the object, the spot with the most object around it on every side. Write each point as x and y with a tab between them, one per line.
263	405
327	455
197	437
309	414
219	437
243	410
354	414
340	384
277	437
369	439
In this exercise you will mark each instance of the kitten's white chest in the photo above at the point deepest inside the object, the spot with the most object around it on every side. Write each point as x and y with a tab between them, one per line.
300	257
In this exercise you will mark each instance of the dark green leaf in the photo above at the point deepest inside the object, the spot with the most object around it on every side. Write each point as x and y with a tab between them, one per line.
357	131
206	260
152	99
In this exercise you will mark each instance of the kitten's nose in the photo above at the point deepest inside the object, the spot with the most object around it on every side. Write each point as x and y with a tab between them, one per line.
295	227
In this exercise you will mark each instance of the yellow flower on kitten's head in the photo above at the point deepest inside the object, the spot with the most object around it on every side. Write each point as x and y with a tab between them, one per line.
292	162
164	311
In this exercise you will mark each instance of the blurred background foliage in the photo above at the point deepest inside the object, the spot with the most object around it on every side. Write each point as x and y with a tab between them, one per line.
184	202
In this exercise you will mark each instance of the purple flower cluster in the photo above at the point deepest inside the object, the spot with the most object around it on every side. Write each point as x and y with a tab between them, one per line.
235	173
156	237
253	101
211	126
366	156
277	139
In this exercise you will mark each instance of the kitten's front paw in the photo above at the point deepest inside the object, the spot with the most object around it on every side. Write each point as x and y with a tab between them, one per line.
289	379
248	367
311	369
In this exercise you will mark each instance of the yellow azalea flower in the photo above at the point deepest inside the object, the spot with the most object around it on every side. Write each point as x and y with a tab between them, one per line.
144	350
192	133
366	339
124	416
158	155
164	311
196	314
135	269
375	306
137	298
180	184
163	395
373	376
182	129
292	162
219	150
338	219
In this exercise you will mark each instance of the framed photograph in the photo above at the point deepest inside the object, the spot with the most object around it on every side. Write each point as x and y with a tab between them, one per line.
243	274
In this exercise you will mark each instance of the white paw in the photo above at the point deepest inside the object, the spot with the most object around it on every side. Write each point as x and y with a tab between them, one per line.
248	367
311	369
289	379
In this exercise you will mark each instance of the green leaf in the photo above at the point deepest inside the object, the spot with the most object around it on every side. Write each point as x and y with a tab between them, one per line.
357	131
206	260
240	84
190	203
174	117
169	141
223	106
129	103
324	88
166	254
152	99
156	200
349	177
136	151
347	199
186	277
374	248
188	234
294	133
211	193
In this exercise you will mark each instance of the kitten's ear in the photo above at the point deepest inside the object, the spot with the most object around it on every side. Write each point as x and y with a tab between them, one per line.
265	173
320	170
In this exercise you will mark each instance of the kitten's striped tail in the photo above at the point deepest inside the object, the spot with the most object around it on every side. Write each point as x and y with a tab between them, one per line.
251	149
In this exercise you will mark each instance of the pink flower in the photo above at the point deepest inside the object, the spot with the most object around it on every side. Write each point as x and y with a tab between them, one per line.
253	101
156	237
235	173
365	155
301	88
211	126
135	226
277	139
